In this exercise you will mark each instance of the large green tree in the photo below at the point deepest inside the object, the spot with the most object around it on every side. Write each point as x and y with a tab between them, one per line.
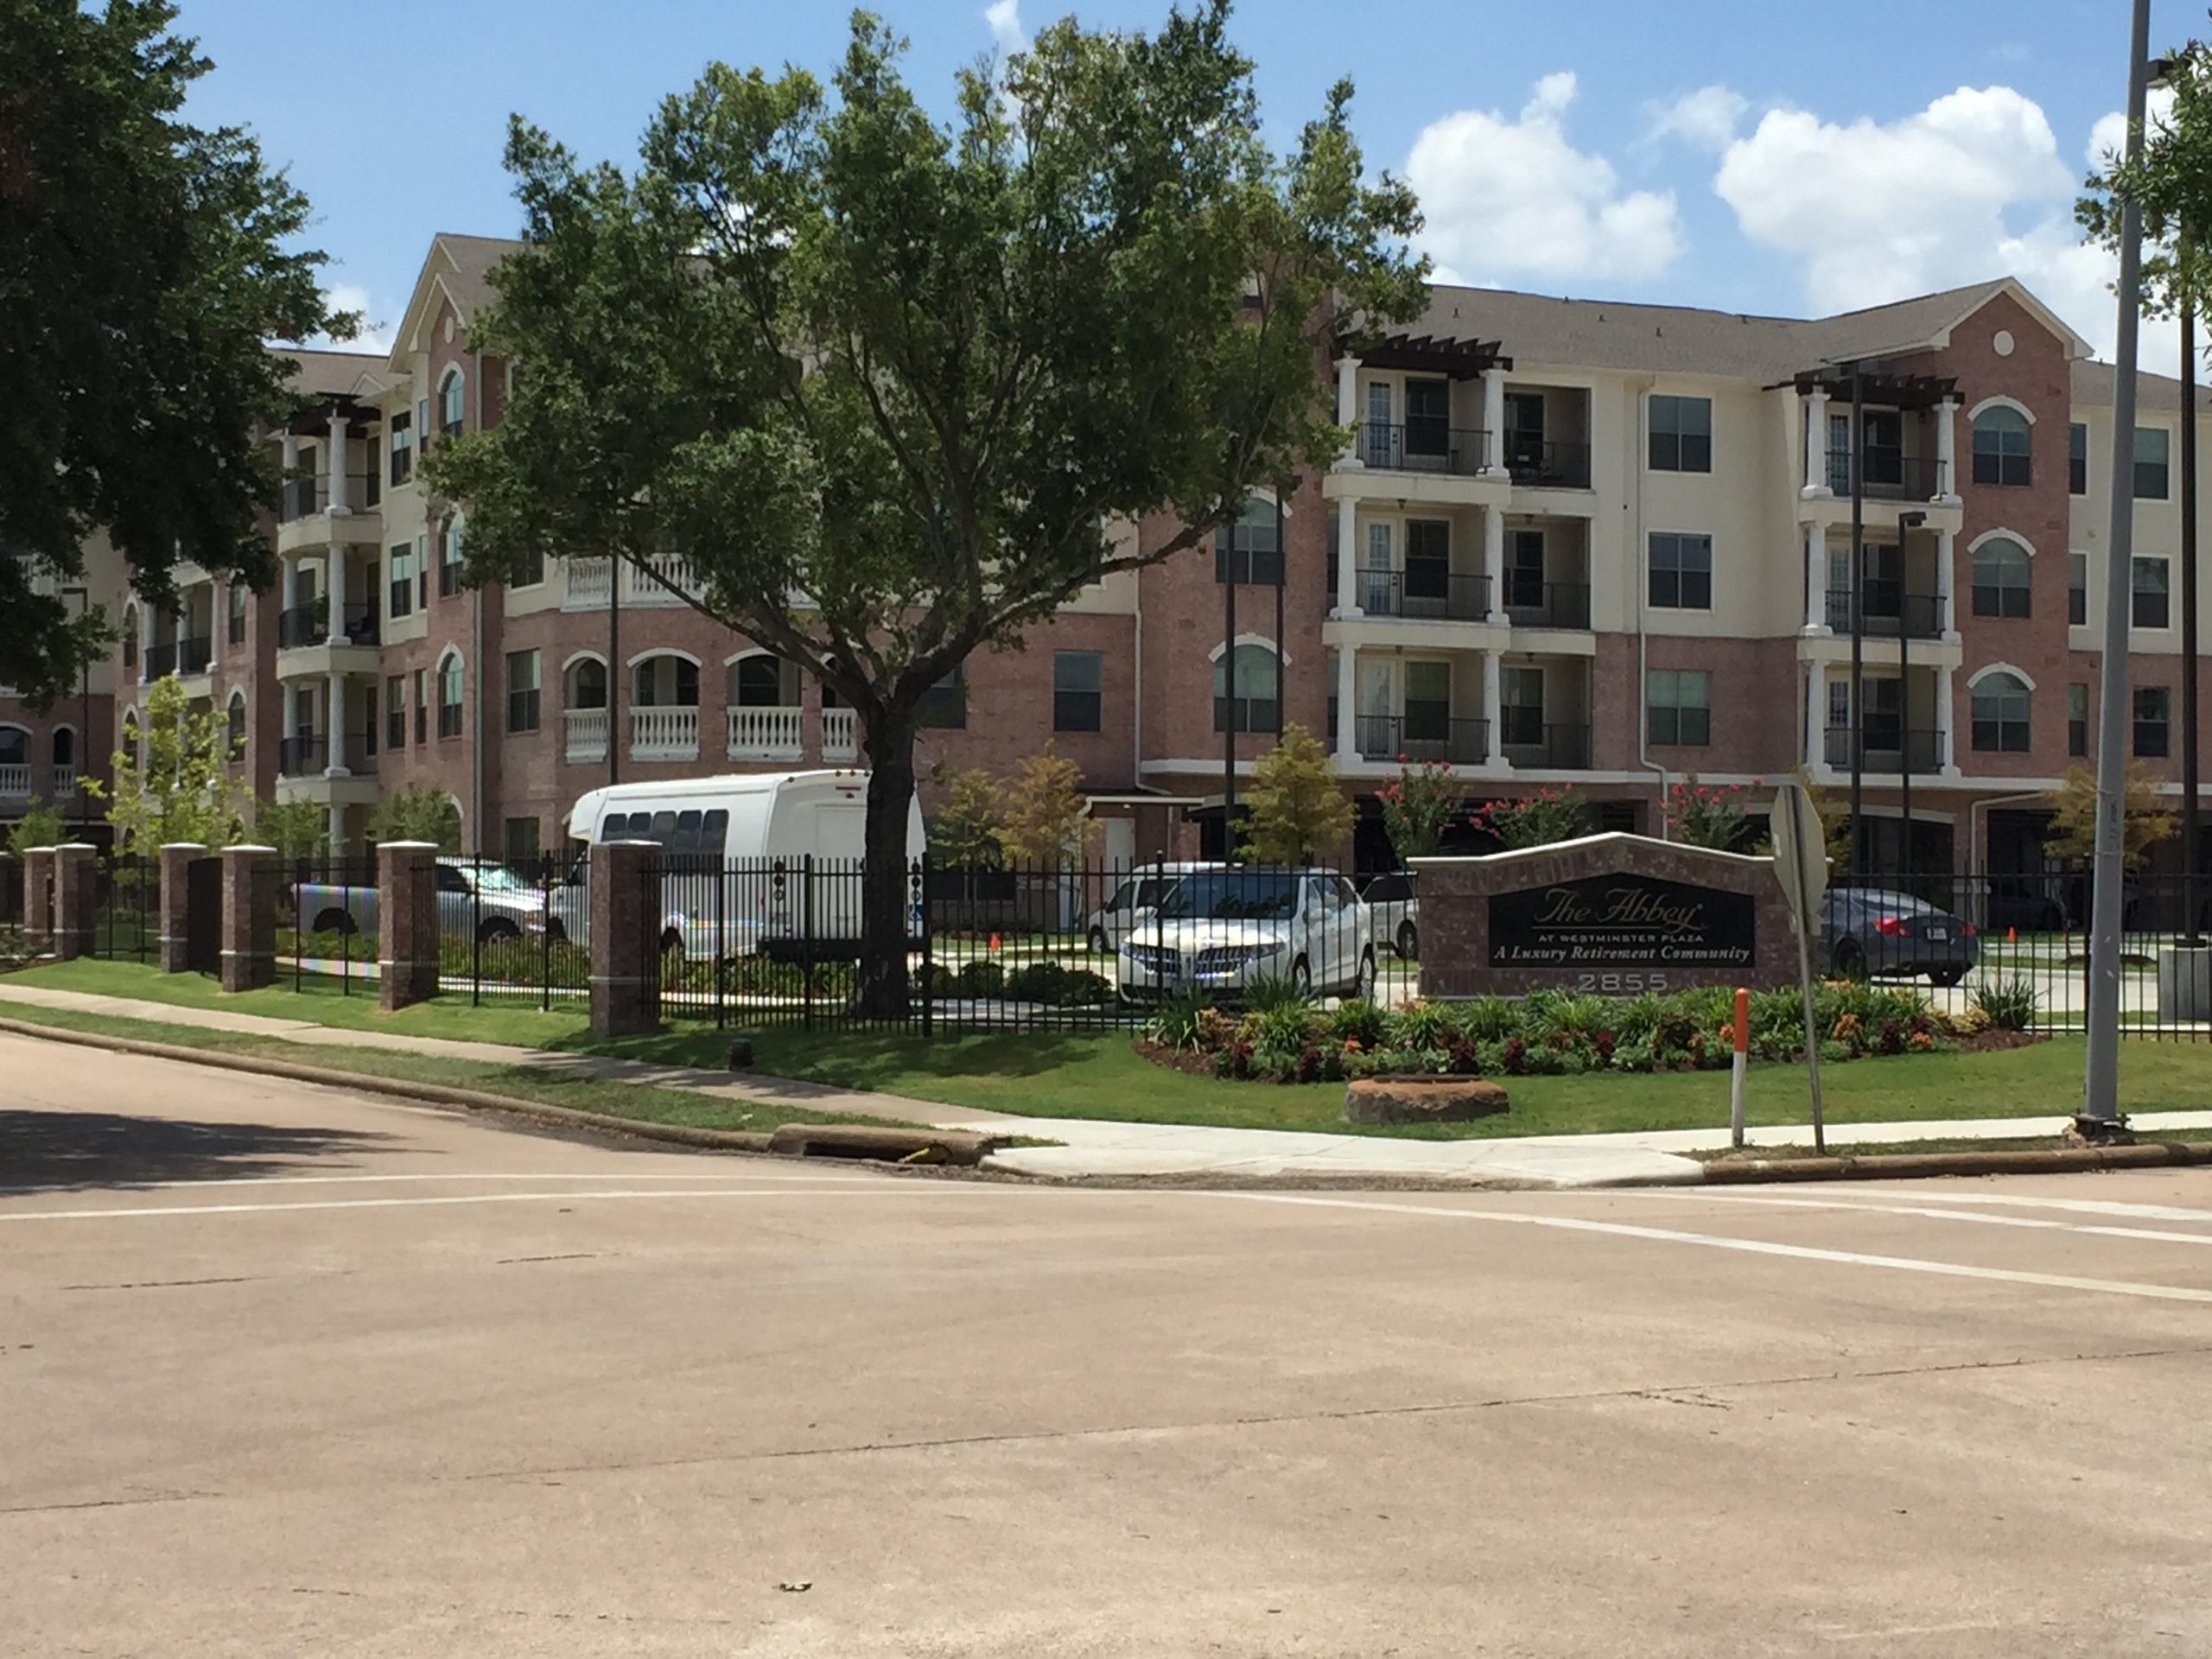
884	378
144	264
2172	181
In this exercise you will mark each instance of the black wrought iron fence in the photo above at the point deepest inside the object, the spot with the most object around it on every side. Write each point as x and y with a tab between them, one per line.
126	909
327	923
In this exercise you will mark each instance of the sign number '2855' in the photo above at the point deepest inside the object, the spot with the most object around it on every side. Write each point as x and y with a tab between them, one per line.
1621	985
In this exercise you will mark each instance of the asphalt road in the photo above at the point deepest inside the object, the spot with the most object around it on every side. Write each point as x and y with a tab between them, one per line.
285	1370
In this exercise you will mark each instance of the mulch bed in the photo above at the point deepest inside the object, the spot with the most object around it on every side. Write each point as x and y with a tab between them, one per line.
1991	1042
1189	1061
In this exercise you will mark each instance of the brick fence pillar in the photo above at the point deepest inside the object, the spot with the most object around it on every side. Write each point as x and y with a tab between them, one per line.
176	859
76	895
38	898
407	923
625	901
250	882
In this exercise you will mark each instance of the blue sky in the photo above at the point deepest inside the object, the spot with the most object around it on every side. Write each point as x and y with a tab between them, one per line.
1754	154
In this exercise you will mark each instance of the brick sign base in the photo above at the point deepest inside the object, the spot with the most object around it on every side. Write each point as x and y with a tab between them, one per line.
1611	915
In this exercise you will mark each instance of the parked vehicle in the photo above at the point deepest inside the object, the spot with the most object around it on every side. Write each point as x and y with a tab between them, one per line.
735	849
1223	931
479	900
1390	901
1130	906
1869	932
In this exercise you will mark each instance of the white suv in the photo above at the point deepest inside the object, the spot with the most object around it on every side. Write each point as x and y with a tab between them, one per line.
1129	908
1223	931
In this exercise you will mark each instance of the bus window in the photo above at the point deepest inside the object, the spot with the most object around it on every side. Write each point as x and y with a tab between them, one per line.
685	841
714	833
663	830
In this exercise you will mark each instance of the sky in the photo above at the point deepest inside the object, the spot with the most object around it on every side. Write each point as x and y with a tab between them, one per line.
1755	155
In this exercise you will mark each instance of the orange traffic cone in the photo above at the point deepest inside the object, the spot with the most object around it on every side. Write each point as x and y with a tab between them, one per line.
995	944
2012	936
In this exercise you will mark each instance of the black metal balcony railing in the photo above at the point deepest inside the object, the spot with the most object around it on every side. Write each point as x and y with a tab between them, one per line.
1886	612
360	620
1559	464
1422	593
1420	736
1889	748
160	660
304	496
1536	742
194	655
1547	604
303	624
1421	447
303	754
1890	476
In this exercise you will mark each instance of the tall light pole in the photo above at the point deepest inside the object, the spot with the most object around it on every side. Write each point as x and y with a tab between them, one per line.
2099	1118
2191	850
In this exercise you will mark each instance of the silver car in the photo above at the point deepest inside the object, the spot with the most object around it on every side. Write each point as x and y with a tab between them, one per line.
1223	932
1396	912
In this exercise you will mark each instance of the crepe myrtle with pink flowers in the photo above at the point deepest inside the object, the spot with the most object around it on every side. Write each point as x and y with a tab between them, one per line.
1700	815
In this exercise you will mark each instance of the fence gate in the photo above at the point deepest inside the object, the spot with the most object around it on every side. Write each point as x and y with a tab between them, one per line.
203	915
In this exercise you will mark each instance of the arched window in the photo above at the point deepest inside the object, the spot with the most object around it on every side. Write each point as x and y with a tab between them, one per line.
1250	705
761	680
1250	550
131	637
235	596
2000	715
2000	446
15	754
64	746
586	684
236	713
450	695
2000	577
451	398
665	681
130	743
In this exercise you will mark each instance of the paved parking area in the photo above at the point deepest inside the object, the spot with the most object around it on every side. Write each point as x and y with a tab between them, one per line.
286	1370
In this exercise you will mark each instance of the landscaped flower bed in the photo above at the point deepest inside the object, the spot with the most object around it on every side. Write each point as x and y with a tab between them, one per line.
1545	1034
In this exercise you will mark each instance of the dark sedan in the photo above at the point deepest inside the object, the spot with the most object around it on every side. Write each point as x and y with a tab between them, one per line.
1866	931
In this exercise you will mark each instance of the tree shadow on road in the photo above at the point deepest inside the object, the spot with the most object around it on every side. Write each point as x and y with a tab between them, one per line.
62	1151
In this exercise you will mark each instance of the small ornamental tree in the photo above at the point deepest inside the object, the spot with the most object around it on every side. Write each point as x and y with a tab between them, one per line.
1416	806
2074	816
40	826
1701	816
297	829
418	812
964	833
1296	806
1536	820
1044	810
178	786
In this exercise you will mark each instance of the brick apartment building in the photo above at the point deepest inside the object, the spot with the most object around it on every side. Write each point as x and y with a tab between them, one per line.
1572	542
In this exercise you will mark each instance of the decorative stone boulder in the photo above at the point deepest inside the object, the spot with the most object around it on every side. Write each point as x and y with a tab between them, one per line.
1421	1100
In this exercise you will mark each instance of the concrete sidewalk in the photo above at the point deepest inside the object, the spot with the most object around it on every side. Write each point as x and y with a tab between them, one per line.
1098	1146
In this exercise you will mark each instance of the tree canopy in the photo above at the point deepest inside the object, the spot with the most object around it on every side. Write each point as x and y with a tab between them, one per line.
1296	808
175	783
144	264
2172	183
885	380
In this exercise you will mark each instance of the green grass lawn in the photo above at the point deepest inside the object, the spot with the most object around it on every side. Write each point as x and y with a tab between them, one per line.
1097	1075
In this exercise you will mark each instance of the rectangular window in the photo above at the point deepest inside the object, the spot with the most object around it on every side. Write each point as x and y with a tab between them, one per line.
369	726
519	840
449	560
423	571
1249	551
2152	607
2077	719
2078	459
395	712
1077	689
402	448
522	690
1521	707
403	582
1681	572
1681	434
1680	702
235	596
1428	419
2150	463
421	710
944	705
2152	706
533	568
1427	707
2077	589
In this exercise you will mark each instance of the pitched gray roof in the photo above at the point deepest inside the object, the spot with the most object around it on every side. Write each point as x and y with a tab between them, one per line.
317	373
2093	387
473	258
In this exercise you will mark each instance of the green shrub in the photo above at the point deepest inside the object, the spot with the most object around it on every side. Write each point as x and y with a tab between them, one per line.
1181	1021
1263	992
1360	1021
1489	1020
1423	1024
982	978
2008	1006
1286	1027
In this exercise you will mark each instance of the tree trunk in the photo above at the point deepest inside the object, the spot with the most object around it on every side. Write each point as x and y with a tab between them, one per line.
885	890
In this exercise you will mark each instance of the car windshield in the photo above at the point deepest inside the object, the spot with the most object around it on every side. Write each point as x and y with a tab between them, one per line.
497	878
1232	896
1900	903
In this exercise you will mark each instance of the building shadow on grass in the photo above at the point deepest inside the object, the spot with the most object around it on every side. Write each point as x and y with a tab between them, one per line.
46	1151
868	1060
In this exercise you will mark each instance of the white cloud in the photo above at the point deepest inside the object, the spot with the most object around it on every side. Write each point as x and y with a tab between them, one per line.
2109	136
1510	195
1004	18
376	331
1707	118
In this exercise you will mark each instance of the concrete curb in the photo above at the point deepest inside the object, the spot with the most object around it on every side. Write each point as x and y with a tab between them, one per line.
961	1147
1913	1165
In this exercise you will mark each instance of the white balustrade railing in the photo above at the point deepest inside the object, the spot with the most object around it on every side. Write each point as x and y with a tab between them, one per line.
840	735
765	733
589	584
670	734
65	780
591	580
586	733
15	780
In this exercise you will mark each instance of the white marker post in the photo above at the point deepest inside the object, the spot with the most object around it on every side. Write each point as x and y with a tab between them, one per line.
1800	863
1738	1066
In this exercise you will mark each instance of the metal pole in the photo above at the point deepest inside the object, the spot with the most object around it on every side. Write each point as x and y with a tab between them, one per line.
1229	721
1858	606
1282	573
614	662
2192	852
2101	1075
1905	717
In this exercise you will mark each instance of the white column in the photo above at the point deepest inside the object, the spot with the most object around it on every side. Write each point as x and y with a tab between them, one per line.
1347	559
333	716
337	829
1348	407
1493	710
1347	708
1816	442
145	640
1816	579
1494	563
1947	451
216	621
1943	721
334	577
1493	420
291	454
1815	718
336	468
1945	557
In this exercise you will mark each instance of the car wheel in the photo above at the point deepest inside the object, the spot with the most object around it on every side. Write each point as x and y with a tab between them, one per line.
1097	942
1301	978
1363	986
1409	940
1946	978
1850	960
498	928
333	921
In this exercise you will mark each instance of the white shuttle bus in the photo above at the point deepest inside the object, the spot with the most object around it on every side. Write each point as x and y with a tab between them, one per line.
735	855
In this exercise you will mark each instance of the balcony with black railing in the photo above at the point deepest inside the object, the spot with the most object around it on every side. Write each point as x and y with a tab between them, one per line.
1422	593
303	754
1547	464
307	494
160	660
1887	612
1891	475
1529	741
1421	735
303	624
194	655
1888	749
1421	447
1533	604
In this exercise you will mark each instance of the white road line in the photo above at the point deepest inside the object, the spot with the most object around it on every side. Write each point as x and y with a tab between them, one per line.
2084	1206
871	1190
1748	1246
1930	1212
796	1176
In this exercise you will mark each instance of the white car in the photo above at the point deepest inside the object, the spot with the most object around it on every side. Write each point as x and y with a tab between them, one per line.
1130	906
1223	930
1396	911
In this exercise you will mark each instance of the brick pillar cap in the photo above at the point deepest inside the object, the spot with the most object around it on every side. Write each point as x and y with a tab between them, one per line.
248	847
70	846
407	846
626	844
184	846
27	851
